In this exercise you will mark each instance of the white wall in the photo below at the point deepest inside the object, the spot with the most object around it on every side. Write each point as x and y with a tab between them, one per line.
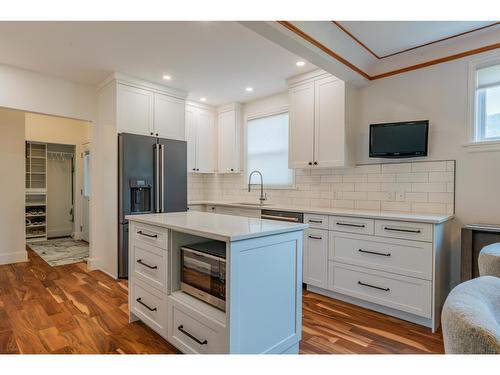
12	165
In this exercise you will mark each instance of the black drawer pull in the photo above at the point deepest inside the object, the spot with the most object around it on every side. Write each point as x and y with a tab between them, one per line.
316	221
146	265
403	230
146	306
147	235
374	253
351	225
181	328
316	237
373	286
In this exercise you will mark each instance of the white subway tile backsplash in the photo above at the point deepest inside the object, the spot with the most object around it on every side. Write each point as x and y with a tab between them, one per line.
413	186
431	187
429	166
412	177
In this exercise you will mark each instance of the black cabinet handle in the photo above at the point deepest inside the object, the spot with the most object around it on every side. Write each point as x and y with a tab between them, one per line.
351	225
310	163
147	235
316	221
374	253
403	230
373	286
315	163
146	306
316	237
181	328
146	265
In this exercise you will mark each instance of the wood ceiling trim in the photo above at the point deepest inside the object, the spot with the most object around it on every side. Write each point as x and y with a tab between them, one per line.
342	60
336	23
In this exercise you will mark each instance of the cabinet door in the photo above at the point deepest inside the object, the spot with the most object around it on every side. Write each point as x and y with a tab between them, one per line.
329	123
315	265
191	138
169	117
301	123
205	141
228	150
135	110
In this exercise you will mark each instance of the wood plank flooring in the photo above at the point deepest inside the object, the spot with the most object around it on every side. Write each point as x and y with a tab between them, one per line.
68	309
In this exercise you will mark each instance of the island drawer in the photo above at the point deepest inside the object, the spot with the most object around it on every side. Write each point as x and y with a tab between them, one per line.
150	305
192	332
404	230
316	221
398	292
351	224
407	258
150	264
151	235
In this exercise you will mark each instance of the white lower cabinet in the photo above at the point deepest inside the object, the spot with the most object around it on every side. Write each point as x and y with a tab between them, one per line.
315	266
192	331
407	294
150	305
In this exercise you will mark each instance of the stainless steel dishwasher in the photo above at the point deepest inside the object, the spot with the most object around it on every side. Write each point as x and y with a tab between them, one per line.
292	217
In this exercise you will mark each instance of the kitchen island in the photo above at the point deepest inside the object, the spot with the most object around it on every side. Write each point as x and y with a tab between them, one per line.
258	307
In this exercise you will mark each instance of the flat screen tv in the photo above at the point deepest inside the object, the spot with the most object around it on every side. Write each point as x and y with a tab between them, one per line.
399	139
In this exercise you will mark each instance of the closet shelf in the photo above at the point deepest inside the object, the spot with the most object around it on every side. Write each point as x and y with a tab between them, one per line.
35	215
35	225
34	204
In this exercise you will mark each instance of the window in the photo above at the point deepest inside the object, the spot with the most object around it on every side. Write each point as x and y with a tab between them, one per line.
267	149
487	103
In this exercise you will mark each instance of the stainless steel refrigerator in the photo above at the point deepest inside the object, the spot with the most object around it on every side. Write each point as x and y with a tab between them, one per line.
152	178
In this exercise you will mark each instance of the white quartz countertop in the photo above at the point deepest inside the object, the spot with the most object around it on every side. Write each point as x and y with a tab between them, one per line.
216	226
373	214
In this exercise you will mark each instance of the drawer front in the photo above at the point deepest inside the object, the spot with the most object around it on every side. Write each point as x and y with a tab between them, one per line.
192	333
403	229
407	258
150	306
237	211
150	264
315	258
401	293
316	221
151	235
196	207
351	224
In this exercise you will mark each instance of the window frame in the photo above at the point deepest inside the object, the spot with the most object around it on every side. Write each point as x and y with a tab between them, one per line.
255	116
476	127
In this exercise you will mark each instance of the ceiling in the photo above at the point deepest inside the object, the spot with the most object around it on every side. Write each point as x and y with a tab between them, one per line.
388	37
215	60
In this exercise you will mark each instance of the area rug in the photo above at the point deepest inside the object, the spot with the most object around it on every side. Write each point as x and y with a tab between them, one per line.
59	251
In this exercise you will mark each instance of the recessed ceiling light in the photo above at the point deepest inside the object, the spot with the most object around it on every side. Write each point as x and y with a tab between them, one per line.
203	99
167	77
249	89
300	63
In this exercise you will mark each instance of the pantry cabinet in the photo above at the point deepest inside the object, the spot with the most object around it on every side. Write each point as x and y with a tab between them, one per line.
317	129
146	110
229	126
200	137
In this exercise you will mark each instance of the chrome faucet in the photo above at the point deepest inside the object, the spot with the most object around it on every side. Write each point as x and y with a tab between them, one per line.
263	196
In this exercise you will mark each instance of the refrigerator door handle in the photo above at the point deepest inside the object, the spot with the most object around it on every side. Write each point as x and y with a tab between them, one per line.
157	178
162	177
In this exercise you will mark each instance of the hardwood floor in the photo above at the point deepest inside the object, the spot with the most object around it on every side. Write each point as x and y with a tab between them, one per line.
68	309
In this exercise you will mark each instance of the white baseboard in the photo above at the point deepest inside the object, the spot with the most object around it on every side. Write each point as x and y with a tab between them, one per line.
20	256
93	265
59	233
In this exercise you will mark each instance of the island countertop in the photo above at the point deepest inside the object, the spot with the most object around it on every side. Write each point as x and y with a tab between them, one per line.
217	226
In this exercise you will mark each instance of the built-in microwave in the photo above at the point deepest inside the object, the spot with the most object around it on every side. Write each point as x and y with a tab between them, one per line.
203	272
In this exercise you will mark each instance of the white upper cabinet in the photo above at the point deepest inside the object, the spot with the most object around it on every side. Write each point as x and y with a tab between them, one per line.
145	108
301	126
317	121
200	137
169	117
135	110
229	138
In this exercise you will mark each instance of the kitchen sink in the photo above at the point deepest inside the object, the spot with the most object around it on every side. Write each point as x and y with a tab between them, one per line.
254	204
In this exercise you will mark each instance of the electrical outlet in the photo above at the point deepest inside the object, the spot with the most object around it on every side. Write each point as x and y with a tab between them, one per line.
390	195
400	196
